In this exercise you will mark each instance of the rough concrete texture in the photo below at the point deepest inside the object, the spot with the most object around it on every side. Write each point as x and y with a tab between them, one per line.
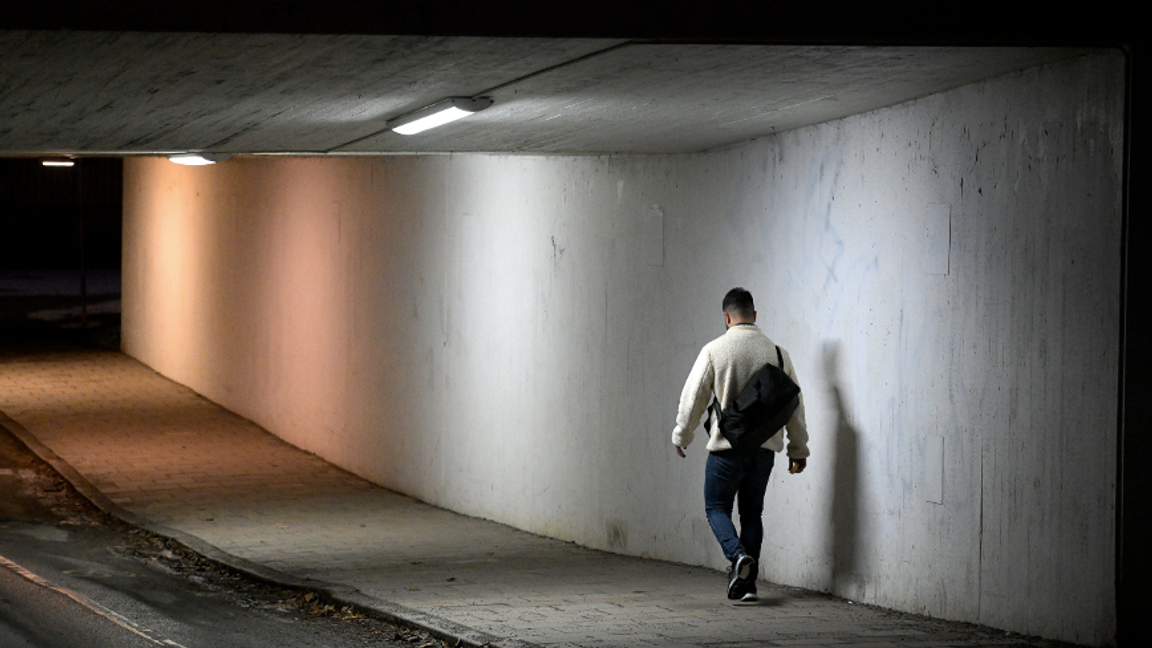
134	92
507	336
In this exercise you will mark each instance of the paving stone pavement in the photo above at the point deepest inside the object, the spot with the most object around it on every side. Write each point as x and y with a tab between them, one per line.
169	456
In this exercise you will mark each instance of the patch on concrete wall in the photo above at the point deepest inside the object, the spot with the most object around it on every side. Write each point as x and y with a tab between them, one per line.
938	238
617	535
934	469
652	236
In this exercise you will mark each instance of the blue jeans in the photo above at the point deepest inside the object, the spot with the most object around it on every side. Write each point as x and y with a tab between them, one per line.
730	476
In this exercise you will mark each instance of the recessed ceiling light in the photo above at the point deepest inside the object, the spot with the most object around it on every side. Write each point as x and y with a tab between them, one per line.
438	114
198	159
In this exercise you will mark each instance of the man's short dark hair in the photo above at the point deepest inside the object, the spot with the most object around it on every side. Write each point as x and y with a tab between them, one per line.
739	302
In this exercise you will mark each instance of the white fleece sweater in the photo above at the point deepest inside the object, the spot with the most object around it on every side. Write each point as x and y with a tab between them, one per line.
723	367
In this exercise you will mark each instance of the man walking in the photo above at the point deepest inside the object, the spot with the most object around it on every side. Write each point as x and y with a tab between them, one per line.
722	369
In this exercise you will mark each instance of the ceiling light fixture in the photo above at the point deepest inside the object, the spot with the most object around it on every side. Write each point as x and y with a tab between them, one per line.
198	159
438	114
58	163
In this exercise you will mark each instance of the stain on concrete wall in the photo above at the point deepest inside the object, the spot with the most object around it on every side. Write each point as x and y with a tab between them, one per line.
507	336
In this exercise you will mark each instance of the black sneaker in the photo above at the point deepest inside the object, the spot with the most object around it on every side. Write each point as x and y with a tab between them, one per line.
739	576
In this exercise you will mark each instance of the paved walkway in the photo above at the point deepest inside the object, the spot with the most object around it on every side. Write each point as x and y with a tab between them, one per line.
174	461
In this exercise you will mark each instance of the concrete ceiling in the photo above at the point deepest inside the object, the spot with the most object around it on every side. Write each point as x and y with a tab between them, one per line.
131	93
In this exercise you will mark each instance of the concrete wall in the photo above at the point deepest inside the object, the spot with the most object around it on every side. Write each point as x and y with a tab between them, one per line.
507	336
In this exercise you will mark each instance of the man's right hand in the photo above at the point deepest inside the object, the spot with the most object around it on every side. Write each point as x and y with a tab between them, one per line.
796	466
680	451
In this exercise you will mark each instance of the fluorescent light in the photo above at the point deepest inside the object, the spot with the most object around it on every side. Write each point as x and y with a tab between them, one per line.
438	114
190	159
58	163
198	159
449	114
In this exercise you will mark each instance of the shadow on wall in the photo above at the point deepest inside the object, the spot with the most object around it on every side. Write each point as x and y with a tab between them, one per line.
846	480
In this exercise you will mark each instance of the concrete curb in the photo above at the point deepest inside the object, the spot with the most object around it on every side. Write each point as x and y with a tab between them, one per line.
337	593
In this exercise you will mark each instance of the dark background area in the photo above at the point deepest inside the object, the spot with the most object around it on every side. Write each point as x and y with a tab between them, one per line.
971	23
41	208
56	292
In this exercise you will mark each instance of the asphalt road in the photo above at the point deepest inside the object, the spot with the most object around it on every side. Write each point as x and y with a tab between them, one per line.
33	616
72	576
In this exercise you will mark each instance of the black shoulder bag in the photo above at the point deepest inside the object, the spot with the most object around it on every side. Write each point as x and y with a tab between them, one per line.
761	408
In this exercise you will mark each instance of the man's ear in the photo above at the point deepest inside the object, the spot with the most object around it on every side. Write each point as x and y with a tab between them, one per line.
727	320
753	317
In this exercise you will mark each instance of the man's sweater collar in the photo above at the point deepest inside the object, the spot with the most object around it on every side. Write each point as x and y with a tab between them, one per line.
743	326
